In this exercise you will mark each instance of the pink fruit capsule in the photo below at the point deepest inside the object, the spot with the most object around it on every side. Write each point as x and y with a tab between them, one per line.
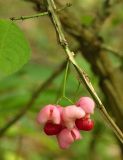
87	104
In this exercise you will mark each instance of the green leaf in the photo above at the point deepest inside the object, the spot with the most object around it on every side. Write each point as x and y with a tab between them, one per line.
14	48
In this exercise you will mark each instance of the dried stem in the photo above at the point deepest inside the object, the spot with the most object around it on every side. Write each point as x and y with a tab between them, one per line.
82	75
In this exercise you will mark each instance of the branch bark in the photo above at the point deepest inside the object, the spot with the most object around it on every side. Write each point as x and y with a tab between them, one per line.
111	77
82	75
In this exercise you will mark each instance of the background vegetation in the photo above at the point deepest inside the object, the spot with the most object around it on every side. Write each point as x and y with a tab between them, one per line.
25	139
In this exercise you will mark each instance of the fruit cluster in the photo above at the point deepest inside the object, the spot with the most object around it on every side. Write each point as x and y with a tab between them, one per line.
65	122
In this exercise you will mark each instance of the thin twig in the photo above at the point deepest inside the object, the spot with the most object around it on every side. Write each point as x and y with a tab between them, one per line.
29	17
65	79
63	95
82	75
38	14
33	99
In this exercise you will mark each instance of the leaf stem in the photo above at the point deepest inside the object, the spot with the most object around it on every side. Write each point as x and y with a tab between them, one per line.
63	96
65	79
77	90
69	100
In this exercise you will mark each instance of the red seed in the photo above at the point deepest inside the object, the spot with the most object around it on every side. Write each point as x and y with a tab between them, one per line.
52	129
84	124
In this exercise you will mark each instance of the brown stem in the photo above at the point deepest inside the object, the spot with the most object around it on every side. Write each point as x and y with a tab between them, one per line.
82	75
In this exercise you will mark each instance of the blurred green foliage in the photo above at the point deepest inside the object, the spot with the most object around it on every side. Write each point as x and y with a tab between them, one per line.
25	140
